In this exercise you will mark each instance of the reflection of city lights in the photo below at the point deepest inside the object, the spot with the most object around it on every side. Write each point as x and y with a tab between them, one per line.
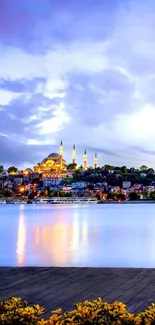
21	207
37	236
51	242
84	233
75	232
21	241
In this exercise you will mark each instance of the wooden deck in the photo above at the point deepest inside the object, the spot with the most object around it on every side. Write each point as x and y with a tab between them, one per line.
61	287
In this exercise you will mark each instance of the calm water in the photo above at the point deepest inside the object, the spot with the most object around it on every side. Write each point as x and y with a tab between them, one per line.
85	235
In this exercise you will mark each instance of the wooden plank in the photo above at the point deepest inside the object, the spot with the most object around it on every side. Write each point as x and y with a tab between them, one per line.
136	289
41	281
103	286
62	287
18	276
76	292
130	283
146	303
56	289
118	279
139	299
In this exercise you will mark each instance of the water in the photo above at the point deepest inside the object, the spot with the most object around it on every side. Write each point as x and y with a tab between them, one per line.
78	235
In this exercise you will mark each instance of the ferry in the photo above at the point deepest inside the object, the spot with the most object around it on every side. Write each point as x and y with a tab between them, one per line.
65	200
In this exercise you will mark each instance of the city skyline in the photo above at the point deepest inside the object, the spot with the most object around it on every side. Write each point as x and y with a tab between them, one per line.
83	72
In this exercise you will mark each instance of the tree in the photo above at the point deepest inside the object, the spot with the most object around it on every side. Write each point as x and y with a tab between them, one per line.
71	166
91	187
42	193
31	196
120	197
152	195
143	168
132	170
146	194
134	196
1	169
123	169
5	193
53	193
150	171
108	167
110	196
68	180
12	170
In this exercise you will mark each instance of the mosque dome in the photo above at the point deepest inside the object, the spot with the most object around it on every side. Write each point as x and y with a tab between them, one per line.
28	171
53	155
53	162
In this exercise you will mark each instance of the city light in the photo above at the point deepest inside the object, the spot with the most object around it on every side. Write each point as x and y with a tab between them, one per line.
22	189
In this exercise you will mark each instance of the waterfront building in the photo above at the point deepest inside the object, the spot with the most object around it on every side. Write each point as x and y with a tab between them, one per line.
51	181
67	188
79	185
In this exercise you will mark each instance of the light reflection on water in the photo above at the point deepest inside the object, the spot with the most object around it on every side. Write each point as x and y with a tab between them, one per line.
92	235
21	241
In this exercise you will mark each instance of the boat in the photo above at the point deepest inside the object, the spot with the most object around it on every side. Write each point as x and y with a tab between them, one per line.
65	200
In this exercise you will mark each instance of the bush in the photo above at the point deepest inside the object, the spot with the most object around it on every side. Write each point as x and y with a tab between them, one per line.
15	311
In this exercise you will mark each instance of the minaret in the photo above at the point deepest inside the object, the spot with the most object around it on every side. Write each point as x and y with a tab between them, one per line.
95	161
85	160
61	155
73	155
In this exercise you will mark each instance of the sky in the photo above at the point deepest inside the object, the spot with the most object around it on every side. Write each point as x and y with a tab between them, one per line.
80	71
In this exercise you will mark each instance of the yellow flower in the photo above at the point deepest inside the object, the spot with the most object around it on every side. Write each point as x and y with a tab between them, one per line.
42	322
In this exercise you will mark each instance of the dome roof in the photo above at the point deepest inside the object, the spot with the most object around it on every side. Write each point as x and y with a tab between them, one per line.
53	155
28	169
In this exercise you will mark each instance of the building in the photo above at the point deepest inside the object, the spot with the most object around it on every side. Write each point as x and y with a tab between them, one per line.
51	181
126	185
79	185
67	188
50	164
53	166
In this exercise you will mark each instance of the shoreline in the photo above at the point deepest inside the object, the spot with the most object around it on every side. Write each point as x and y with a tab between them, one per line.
127	202
81	203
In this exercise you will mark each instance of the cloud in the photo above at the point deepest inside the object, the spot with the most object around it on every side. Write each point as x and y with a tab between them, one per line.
21	85
6	97
19	154
83	72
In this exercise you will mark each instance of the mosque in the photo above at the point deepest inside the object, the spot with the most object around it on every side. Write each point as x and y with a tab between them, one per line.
54	164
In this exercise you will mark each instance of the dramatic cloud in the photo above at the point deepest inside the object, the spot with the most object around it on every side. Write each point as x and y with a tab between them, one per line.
82	72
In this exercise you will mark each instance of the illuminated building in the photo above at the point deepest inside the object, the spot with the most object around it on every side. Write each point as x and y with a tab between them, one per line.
52	166
27	172
73	155
95	161
85	160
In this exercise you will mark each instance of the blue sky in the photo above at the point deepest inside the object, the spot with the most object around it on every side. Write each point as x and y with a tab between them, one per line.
80	71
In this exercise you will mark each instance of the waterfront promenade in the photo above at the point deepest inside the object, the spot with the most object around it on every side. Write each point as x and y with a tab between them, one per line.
61	287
